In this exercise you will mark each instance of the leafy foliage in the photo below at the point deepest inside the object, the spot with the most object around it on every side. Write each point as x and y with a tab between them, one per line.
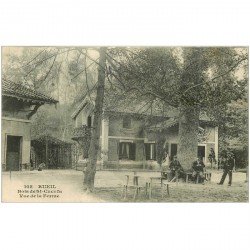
53	121
214	80
202	77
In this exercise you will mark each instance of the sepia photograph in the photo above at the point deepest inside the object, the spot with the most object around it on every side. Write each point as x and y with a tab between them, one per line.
124	124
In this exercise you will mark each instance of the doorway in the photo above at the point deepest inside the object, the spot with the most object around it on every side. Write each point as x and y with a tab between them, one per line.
13	153
201	152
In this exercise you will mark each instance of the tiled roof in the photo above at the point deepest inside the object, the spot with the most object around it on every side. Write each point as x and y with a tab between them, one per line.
133	105
171	122
141	107
22	92
164	124
79	108
121	106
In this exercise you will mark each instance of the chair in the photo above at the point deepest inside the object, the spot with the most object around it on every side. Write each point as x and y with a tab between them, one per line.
135	186
149	186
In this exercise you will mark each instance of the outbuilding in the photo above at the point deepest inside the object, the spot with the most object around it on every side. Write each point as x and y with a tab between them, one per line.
19	104
54	153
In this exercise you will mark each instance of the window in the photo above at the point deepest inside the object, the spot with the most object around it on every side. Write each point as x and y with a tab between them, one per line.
126	151
126	122
89	122
150	151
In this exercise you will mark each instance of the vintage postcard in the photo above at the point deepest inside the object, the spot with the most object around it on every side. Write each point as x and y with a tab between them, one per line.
124	124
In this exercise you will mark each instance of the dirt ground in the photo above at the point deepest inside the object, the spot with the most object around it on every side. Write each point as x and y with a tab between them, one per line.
66	186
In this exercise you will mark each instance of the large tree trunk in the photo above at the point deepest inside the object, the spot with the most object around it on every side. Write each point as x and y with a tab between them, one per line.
160	150
89	175
188	135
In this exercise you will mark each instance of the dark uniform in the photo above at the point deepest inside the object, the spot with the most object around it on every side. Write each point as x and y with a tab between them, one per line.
198	170
211	156
176	169
227	165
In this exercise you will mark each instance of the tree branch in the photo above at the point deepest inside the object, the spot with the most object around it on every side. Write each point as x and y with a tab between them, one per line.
143	92
221	75
49	69
33	59
51	56
79	73
45	59
148	92
86	77
233	67
90	58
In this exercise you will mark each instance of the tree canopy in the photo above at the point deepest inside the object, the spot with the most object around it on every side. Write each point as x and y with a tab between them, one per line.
204	77
195	80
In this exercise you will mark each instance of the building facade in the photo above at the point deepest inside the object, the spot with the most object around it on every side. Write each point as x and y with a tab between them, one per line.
19	103
127	142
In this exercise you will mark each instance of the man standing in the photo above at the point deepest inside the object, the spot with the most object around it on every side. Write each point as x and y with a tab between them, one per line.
165	165
198	170
226	163
211	157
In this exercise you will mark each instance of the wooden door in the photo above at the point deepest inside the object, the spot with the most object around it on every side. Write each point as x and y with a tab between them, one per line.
13	154
173	150
201	152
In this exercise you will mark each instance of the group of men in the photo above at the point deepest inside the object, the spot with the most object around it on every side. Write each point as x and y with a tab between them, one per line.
177	171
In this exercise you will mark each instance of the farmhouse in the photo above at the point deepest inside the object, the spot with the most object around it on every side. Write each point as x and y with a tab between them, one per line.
19	104
129	135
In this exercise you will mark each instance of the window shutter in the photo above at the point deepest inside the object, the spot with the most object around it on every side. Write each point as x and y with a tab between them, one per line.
119	150
147	151
132	151
89	121
154	152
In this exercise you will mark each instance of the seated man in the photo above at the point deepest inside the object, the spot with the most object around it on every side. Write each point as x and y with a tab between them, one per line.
198	170
176	169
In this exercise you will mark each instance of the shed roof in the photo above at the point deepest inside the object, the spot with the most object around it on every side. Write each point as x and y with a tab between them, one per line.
21	92
50	139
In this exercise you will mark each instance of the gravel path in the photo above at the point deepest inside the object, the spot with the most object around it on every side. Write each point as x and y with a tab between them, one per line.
68	187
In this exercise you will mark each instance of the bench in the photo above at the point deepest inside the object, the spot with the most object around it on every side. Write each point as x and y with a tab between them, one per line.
166	177
207	176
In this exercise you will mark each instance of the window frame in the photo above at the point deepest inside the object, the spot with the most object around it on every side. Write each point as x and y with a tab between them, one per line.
129	122
152	151
131	147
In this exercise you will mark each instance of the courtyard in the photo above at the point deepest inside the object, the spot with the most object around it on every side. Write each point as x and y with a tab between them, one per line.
66	186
